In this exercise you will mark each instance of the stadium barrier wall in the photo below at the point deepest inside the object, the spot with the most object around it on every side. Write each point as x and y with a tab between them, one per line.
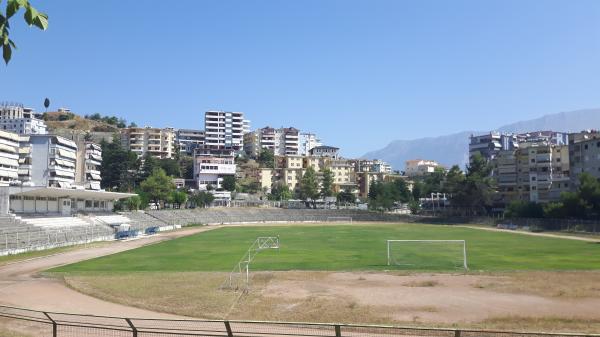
55	324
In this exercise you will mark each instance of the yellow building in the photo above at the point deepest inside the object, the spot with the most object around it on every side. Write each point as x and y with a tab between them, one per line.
159	143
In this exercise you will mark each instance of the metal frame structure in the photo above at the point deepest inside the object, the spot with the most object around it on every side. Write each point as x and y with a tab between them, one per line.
56	324
239	278
463	242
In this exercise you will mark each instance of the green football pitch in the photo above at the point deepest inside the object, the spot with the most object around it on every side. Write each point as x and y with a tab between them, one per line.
351	247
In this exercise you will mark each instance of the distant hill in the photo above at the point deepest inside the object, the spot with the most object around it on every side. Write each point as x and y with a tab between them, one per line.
59	121
453	149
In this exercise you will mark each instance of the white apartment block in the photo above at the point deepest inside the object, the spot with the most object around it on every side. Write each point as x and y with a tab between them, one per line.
89	160
224	130
420	167
9	157
159	143
15	118
306	142
375	166
25	161
53	160
209	169
282	141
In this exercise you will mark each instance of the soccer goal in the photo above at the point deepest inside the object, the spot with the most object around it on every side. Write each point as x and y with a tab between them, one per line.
347	219
239	278
427	254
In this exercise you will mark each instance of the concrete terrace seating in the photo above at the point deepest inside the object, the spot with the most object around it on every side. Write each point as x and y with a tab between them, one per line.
142	221
36	232
247	215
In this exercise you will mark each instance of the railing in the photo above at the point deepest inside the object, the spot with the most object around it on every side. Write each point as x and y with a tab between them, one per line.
44	323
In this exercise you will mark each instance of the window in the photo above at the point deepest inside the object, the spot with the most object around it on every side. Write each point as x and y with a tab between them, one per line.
96	204
88	204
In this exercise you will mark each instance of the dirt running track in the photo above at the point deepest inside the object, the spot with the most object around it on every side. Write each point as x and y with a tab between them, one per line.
20	286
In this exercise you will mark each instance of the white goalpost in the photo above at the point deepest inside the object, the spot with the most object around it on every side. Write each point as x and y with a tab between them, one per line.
339	219
424	254
239	278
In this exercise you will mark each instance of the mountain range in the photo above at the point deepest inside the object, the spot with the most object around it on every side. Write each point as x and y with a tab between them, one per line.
453	149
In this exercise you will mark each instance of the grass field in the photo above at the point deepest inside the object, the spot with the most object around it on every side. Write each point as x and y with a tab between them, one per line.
345	247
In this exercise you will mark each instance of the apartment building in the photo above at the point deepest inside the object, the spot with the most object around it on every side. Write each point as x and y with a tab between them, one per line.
537	171
306	142
9	157
584	152
344	175
325	151
188	140
550	137
25	161
490	144
89	160
210	166
224	130
53	161
420	167
282	141
374	165
16	118
159	143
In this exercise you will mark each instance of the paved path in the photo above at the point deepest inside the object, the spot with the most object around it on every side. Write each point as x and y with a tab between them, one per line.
21	286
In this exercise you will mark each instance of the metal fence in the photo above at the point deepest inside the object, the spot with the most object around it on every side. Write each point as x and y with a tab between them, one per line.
53	324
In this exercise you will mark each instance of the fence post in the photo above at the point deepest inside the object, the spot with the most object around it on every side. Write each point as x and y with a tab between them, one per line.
228	328
456	333
54	326
133	328
338	331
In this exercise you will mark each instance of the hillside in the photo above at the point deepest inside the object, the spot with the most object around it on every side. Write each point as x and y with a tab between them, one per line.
453	149
59	121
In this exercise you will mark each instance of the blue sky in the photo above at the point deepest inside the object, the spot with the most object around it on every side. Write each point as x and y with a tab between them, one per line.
358	73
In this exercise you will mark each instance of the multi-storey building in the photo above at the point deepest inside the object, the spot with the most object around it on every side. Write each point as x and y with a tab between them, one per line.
584	152
282	141
159	143
25	161
210	167
89	160
325	151
306	142
420	167
537	171
224	130
15	118
188	140
9	157
550	137
490	144
53	161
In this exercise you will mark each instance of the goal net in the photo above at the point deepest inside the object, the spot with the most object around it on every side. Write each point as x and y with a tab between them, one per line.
239	278
347	219
427	254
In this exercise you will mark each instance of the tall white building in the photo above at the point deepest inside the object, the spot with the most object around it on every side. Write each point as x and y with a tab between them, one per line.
15	118
224	130
9	157
282	141
159	143
306	142
53	160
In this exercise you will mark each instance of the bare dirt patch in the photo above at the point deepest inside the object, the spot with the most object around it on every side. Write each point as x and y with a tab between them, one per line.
450	300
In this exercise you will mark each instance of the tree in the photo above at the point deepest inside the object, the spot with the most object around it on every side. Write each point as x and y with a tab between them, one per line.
201	199
186	167
327	183
266	158
309	187
345	197
417	190
171	167
119	166
414	206
476	189
228	183
46	103
158	186
178	198
32	17
524	209
149	165
133	203
280	192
